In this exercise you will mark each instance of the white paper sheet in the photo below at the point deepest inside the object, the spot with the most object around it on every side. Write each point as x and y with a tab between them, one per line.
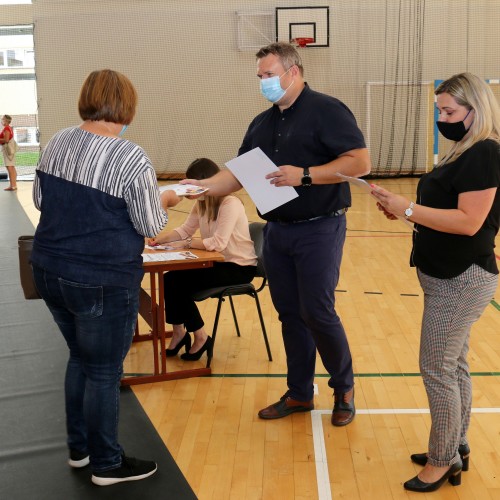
356	181
251	169
161	256
362	184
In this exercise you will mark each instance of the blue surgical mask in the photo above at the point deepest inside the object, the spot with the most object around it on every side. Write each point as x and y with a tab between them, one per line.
122	131
271	89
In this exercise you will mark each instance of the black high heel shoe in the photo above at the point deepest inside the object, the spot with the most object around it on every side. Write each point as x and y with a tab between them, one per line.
453	475
463	450
186	341
207	346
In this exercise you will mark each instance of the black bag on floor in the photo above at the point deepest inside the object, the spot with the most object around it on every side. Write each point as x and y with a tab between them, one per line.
25	244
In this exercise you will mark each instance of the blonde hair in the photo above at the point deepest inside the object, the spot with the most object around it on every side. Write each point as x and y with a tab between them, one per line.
474	93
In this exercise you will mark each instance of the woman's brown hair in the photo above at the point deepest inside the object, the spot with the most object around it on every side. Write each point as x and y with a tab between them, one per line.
203	168
107	95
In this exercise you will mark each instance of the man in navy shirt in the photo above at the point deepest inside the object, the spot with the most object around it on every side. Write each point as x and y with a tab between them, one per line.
311	137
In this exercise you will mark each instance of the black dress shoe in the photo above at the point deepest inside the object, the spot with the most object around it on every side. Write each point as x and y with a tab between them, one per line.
186	341
195	356
463	450
453	475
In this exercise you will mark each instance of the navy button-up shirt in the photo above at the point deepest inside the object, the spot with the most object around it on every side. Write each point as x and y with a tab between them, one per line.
315	130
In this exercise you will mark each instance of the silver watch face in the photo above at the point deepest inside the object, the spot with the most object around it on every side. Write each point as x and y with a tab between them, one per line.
408	212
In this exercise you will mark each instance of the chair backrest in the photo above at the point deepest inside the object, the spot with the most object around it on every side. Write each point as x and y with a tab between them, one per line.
256	229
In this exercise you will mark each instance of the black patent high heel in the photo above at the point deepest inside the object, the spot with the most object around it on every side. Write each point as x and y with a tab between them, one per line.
207	346
453	475
186	341
463	451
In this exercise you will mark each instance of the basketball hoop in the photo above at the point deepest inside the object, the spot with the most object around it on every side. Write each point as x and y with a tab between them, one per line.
302	41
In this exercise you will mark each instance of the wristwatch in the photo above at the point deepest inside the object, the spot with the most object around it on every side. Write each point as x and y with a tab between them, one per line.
306	179
409	210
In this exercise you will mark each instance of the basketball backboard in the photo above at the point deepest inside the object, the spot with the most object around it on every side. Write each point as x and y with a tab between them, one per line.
293	23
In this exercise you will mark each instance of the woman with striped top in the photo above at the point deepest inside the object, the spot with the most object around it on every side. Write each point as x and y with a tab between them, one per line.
98	197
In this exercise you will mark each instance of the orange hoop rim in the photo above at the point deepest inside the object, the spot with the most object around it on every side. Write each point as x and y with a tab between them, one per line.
302	41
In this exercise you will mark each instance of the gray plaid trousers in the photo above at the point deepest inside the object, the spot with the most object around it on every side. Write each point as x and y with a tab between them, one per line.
451	306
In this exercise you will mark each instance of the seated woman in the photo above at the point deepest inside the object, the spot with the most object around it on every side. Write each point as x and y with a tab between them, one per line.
223	226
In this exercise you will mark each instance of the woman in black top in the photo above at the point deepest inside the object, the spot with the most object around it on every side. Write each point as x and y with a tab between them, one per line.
457	215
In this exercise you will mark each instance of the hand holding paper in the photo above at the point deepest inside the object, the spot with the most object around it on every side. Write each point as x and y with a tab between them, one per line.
251	169
371	189
392	204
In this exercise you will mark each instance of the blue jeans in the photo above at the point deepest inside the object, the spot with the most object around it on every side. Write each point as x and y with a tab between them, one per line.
97	323
302	264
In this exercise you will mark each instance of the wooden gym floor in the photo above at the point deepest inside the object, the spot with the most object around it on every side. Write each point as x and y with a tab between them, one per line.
210	425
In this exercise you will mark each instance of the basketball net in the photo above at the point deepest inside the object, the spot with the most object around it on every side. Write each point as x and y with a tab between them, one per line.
301	41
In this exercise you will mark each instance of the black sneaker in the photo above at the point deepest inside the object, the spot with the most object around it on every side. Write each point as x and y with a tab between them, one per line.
131	469
77	459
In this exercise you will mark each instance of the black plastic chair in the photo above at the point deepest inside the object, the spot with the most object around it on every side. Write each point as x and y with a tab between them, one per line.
220	293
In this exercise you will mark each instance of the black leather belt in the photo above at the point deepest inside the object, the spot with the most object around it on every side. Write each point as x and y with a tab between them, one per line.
337	213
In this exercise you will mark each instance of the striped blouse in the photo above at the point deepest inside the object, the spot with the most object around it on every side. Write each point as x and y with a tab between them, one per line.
98	198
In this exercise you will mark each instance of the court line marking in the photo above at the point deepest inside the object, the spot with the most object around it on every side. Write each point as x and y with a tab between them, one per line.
316	375
326	375
320	455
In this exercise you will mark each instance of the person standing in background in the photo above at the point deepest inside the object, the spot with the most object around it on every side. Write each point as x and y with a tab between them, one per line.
311	137
457	216
9	154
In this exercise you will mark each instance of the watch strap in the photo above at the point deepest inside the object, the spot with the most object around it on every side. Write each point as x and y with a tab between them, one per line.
306	178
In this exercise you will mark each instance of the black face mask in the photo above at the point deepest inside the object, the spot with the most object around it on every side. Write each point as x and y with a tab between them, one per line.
453	131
